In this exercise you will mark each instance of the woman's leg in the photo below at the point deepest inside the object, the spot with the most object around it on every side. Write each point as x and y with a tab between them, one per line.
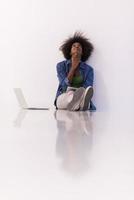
71	99
85	103
64	99
78	99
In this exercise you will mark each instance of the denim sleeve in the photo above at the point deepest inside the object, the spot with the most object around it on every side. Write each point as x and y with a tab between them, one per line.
89	78
61	74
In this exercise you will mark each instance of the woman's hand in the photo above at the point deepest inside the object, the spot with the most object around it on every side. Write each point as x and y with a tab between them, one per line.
75	61
75	64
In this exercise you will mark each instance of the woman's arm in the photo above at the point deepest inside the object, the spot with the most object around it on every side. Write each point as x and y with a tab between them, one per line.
89	78
61	74
74	67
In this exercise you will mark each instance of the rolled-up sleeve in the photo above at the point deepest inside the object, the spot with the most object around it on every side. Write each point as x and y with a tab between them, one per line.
62	77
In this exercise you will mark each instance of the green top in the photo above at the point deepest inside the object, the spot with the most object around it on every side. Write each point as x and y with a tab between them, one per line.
77	81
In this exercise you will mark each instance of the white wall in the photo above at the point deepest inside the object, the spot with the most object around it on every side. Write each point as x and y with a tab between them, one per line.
31	32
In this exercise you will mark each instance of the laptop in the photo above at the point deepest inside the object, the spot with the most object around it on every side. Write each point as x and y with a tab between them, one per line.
22	102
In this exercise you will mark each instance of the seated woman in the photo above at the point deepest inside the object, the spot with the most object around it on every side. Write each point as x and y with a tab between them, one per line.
75	77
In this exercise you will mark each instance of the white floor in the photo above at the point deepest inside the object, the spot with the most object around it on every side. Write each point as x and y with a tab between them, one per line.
48	155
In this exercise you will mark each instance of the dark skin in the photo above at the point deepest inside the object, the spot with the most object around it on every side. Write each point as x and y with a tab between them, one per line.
76	53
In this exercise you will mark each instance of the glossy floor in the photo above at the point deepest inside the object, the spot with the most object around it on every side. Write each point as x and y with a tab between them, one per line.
48	155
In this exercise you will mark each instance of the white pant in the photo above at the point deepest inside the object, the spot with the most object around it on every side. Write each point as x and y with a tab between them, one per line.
64	99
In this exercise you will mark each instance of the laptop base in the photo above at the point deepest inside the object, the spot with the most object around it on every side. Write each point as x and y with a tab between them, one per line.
37	108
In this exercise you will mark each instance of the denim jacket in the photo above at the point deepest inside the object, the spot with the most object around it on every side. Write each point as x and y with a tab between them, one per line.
62	72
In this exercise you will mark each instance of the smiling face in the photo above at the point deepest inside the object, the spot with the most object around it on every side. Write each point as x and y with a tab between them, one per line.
76	49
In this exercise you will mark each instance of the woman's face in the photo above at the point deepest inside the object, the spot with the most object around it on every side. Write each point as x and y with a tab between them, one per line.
76	49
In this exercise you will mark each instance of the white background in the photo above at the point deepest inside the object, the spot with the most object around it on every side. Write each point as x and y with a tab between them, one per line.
32	31
39	148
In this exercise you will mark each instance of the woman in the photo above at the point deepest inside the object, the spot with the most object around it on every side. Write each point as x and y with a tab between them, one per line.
75	88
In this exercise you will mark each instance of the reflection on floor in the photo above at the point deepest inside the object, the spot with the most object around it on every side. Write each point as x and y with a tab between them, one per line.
74	140
65	155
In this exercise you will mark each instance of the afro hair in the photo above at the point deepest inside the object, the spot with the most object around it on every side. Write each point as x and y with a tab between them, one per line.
87	46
